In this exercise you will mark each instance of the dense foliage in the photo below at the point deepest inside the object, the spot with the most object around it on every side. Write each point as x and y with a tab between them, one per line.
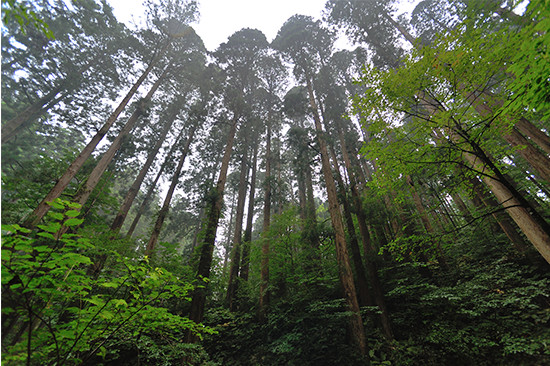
276	202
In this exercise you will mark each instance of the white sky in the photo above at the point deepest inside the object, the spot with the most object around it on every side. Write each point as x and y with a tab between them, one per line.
221	18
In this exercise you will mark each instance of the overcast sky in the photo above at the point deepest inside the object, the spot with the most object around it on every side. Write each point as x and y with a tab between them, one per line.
221	18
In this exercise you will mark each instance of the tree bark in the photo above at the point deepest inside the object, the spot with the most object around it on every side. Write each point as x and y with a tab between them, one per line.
364	296
531	223
41	106
370	253
207	248
502	219
134	189
34	218
11	127
166	205
152	187
344	267
245	261
237	238
85	191
264	266
534	133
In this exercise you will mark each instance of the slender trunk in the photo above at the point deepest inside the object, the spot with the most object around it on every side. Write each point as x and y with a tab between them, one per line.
400	28
229	235
364	297
370	253
202	214
344	267
166	205
425	220
134	189
11	127
237	238
264	266
85	191
462	207
301	194
534	133
43	207
39	107
152	187
531	223
502	219
196	312
245	261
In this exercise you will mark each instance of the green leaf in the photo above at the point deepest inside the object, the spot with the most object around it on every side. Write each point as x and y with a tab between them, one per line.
109	284
72	213
120	302
73	222
74	205
56	204
56	215
52	227
46	235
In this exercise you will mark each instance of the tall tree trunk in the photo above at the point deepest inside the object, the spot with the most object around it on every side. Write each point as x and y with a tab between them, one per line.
42	105
13	126
245	261
196	312
166	205
425	219
364	297
134	189
534	133
264	266
301	193
370	253
533	225
94	177
43	207
344	267
227	245
502	219
237	238
152	187
464	211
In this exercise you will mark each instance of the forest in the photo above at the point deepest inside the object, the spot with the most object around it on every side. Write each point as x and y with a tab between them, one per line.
276	202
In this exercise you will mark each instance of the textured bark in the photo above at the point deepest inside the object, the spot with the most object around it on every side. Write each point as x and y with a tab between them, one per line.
196	312
95	176
237	238
535	228
245	261
134	189
370	253
400	28
264	266
43	207
301	194
166	205
534	133
503	220
229	235
152	187
362	284
344	267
